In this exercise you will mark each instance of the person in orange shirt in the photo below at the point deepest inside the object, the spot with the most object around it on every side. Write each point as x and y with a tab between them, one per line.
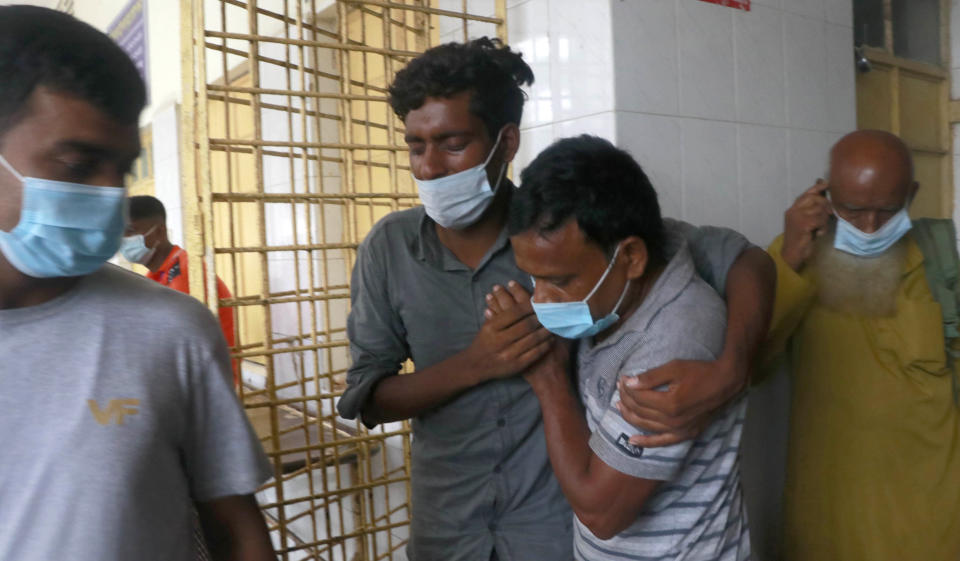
145	242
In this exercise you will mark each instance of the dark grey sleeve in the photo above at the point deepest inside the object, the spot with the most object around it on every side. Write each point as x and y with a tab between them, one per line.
377	344
714	250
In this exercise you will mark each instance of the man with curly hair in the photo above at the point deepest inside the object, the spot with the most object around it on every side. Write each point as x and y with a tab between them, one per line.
482	483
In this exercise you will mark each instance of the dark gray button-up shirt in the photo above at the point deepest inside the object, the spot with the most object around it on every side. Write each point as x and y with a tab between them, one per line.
481	475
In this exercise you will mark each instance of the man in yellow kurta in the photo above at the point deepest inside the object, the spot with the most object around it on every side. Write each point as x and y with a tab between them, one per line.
873	470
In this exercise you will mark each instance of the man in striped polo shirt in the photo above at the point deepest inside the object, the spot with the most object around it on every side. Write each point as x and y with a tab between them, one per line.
586	225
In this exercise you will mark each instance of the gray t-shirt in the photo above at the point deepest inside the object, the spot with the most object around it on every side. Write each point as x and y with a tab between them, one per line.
117	412
697	512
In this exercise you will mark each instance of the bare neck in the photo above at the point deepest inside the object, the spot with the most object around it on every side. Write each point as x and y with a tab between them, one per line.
471	244
17	290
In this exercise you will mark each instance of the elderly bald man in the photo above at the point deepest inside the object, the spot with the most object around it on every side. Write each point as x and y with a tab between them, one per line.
873	469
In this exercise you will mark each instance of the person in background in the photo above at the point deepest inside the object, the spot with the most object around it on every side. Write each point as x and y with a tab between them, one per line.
873	467
482	486
146	243
111	434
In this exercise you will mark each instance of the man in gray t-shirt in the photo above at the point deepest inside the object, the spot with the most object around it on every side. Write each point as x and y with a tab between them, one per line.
117	413
586	225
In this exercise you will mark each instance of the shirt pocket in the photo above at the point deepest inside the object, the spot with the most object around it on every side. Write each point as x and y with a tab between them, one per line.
914	338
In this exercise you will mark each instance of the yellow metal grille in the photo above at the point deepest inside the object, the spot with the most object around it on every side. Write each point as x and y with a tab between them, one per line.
290	155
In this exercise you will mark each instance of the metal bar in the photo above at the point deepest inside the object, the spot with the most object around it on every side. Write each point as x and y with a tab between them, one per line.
294	93
343	537
295	247
282	64
340	161
500	9
282	17
315	114
341	491
192	219
258	143
307	43
425	10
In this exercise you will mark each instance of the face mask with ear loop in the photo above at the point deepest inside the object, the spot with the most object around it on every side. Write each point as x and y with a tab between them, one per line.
573	320
855	241
65	229
458	200
134	248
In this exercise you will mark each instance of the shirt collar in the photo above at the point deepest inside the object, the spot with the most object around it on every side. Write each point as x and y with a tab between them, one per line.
672	281
430	249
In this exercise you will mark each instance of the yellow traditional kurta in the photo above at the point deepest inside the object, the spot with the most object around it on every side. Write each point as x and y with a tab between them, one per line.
873	470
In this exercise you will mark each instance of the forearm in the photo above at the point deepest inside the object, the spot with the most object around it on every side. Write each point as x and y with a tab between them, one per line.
243	548
567	436
397	398
605	500
234	530
751	283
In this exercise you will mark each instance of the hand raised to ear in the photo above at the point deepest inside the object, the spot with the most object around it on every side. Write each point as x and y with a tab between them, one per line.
803	223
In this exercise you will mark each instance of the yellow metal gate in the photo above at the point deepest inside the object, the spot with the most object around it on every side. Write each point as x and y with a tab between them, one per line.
290	154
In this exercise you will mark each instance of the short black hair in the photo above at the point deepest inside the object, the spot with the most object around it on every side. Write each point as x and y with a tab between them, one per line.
145	206
601	186
40	47
483	66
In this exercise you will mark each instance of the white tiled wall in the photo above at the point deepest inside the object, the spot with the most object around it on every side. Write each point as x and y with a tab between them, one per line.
569	45
731	112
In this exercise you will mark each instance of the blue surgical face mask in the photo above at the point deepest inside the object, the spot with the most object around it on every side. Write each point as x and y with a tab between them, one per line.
134	248
852	240
65	229
458	200
573	320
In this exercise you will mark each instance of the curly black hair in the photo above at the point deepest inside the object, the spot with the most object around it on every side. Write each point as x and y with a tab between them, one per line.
601	186
484	66
40	47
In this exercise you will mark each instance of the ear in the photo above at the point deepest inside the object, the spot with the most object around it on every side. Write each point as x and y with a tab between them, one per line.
510	139
912	192
634	250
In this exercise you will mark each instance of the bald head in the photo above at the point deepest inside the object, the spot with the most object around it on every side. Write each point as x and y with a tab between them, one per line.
871	178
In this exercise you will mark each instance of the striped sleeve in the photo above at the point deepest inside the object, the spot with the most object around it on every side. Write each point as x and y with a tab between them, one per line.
610	438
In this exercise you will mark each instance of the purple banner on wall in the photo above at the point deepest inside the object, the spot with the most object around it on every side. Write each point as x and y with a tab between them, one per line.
129	30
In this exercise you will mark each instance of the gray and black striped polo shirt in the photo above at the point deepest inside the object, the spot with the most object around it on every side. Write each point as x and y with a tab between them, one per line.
697	512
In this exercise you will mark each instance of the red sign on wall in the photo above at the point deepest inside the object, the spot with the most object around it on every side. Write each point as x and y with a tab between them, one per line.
739	4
